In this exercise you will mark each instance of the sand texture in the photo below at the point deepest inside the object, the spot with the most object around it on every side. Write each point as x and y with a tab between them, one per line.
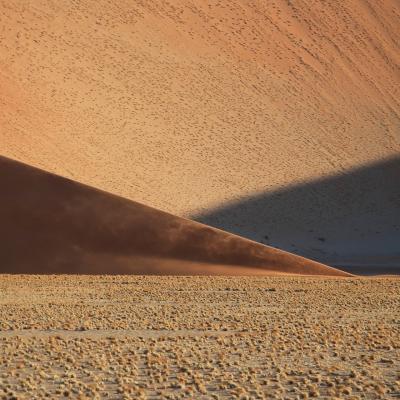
216	110
50	224
199	338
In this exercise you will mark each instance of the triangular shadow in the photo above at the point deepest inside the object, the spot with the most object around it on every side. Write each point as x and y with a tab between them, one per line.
351	220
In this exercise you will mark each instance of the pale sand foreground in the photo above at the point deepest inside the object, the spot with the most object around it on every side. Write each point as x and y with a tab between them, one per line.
199	337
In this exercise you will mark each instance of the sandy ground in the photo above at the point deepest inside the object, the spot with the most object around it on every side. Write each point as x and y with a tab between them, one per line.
199	337
187	106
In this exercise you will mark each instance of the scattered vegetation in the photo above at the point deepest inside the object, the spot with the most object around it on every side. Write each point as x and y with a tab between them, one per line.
198	337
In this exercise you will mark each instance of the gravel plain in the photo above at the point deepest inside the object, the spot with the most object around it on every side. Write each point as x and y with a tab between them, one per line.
142	337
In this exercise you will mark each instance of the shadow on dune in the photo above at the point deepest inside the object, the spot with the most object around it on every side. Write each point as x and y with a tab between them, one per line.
50	224
350	220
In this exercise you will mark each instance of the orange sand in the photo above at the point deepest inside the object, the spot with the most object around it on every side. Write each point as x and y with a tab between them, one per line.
188	105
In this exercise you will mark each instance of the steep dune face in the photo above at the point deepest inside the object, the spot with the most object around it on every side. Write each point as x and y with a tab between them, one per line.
187	106
51	224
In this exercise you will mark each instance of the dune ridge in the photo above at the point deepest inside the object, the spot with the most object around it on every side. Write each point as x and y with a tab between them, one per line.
52	224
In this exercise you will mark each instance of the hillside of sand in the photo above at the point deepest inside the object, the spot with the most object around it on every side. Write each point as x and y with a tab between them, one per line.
192	106
50	224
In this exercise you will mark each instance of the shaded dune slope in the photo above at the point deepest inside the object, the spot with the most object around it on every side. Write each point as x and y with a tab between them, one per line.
50	224
350	219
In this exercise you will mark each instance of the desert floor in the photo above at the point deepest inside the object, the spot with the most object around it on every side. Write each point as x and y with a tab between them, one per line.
199	337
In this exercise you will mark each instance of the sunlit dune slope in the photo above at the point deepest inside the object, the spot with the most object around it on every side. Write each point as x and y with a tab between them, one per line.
186	105
50	224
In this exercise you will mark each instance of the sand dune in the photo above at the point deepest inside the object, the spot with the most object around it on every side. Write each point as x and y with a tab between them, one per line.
187	106
51	224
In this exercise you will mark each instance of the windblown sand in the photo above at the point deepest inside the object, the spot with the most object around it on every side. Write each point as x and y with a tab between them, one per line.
199	337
